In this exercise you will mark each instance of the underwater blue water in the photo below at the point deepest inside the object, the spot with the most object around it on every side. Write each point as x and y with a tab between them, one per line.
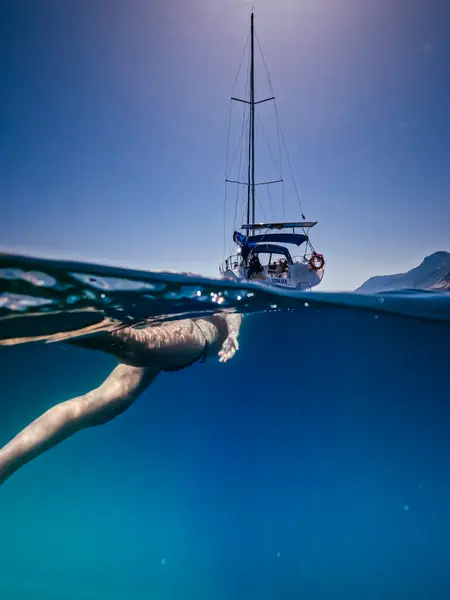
314	465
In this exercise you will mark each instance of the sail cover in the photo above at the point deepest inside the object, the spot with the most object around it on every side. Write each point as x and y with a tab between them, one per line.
289	225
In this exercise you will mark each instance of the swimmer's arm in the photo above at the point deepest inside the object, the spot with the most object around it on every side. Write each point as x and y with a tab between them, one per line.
97	407
233	322
231	345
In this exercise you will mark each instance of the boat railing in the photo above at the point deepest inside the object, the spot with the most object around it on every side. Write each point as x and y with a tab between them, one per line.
230	263
301	258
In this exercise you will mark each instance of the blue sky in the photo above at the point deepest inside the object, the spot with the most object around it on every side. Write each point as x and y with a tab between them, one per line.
115	118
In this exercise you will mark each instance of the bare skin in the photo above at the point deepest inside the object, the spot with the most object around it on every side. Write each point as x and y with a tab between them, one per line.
142	354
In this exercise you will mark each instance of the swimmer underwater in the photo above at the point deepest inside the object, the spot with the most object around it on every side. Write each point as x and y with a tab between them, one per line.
142	354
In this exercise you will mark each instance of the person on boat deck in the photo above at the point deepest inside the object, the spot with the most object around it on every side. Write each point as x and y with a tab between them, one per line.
279	266
255	266
142	353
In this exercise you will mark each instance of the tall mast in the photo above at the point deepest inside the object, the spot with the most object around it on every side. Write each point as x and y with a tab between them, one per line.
250	183
251	133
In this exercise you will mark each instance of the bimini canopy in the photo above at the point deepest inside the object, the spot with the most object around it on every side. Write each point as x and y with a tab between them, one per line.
281	238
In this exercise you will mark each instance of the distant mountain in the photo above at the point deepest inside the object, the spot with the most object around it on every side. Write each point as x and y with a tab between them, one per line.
432	274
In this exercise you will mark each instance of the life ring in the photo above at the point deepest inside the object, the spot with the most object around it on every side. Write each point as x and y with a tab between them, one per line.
316	262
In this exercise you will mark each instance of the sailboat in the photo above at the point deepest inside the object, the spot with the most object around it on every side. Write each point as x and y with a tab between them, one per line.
261	249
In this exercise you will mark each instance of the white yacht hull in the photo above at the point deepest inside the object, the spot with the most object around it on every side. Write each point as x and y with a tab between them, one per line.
299	277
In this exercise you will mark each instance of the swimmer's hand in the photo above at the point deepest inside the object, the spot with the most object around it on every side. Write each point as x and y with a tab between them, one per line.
229	348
